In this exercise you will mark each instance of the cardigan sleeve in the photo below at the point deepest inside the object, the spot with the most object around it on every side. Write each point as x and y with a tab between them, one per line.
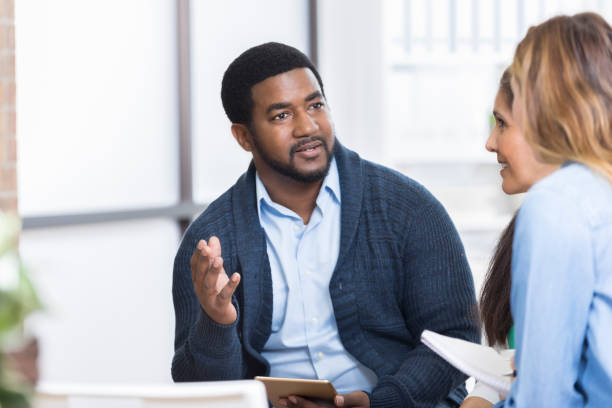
203	349
439	295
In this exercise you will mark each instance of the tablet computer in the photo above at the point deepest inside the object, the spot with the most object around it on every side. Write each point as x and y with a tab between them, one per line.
318	390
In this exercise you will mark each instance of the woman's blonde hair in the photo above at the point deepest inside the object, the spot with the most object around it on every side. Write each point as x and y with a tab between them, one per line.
563	70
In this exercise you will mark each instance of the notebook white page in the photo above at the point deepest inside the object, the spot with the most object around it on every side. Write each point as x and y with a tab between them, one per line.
483	363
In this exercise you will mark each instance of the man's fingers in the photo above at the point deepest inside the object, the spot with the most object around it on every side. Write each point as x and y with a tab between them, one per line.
299	402
196	259
203	255
206	266
215	246
215	278
352	399
203	264
228	290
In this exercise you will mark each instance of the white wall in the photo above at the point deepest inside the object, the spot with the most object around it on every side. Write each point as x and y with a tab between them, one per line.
97	105
351	63
106	291
97	124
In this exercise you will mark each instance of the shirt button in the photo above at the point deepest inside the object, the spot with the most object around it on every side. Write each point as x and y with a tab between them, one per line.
314	320
296	228
308	272
320	355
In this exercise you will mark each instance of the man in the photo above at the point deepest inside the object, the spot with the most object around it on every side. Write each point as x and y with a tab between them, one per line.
331	266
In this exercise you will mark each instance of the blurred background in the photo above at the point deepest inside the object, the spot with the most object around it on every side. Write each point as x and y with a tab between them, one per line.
117	139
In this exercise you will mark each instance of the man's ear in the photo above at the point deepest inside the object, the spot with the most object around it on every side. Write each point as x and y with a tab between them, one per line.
243	136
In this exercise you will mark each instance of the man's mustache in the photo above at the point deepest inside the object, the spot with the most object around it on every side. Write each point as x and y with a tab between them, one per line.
301	143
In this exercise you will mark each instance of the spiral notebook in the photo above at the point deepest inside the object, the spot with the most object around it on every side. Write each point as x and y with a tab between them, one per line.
485	364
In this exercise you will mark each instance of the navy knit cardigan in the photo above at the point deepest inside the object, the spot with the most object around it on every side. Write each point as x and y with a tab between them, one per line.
401	269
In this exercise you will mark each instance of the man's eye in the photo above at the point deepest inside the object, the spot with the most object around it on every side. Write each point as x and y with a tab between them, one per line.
317	105
281	116
500	123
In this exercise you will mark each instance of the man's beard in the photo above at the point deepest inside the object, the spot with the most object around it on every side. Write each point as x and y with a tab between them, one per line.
289	170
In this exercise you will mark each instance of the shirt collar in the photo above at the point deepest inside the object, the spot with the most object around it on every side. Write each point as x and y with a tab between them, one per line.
331	183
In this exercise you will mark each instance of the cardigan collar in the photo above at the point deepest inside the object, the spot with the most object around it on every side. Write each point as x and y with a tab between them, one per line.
251	242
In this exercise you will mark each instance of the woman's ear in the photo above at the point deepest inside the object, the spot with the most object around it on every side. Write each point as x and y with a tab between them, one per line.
243	136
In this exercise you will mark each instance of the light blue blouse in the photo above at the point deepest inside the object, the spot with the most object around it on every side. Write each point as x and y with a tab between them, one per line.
562	292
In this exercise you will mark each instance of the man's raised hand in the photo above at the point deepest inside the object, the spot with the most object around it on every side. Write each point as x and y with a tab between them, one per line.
210	282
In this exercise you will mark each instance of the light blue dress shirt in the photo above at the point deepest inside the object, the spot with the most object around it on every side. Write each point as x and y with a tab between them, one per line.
304	342
562	292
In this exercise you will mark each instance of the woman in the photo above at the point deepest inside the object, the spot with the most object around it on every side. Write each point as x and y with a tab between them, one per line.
561	292
520	170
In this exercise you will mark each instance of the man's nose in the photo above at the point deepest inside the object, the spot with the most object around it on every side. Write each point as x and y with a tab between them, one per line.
305	125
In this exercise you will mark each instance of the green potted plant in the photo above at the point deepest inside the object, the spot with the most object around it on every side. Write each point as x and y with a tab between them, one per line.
17	300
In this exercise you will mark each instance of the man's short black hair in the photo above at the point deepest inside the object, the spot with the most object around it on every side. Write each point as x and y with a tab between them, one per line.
253	66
